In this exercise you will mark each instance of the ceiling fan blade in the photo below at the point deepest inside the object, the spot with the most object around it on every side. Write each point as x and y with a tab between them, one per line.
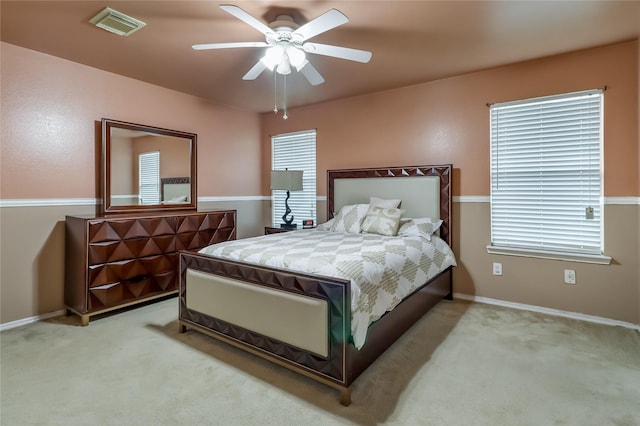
255	71
322	23
338	52
312	74
229	45
246	17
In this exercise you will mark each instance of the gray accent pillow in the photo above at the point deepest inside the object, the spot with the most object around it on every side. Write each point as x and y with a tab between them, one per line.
382	221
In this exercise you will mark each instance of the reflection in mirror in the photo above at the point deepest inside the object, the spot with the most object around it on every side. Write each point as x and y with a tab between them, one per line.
147	168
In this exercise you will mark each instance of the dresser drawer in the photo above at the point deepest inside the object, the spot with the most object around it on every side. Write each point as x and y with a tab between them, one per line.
131	270
200	222
131	228
113	251
201	239
120	293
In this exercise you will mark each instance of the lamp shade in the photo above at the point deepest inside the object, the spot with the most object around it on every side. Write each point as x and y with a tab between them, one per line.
289	180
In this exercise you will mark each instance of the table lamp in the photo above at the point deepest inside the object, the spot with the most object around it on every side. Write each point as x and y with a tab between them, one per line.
289	180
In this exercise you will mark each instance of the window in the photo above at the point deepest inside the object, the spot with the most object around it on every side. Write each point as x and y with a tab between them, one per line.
546	177
295	151
149	177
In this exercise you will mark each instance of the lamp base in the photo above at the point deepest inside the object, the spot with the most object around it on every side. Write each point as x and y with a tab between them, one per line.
289	226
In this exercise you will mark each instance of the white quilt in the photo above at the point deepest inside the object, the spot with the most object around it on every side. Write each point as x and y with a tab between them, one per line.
382	270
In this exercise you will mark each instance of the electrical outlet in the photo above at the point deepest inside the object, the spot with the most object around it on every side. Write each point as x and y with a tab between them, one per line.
569	276
497	268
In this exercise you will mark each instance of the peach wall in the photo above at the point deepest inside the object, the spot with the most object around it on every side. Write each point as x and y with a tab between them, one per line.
48	113
48	151
49	110
447	121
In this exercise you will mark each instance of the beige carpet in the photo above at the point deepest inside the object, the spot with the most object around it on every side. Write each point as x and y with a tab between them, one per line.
462	364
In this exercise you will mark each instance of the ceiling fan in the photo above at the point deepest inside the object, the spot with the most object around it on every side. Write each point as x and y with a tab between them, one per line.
287	44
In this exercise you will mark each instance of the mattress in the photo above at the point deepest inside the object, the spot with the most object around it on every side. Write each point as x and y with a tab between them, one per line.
383	270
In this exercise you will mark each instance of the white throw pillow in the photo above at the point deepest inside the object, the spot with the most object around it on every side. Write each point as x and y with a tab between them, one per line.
421	227
349	218
384	203
327	225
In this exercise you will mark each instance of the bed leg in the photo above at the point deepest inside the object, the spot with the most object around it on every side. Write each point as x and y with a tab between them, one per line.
450	295
182	328
345	396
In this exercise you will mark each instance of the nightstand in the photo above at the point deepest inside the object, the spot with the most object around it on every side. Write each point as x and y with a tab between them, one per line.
272	230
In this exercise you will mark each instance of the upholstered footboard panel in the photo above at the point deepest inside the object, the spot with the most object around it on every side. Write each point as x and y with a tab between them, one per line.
298	320
198	272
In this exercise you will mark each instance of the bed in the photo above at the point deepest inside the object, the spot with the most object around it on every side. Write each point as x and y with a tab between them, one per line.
175	190
303	321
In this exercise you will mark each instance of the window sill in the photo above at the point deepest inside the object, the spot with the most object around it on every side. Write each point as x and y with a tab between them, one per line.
553	255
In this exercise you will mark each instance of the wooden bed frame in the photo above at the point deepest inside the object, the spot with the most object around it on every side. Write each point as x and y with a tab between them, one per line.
342	363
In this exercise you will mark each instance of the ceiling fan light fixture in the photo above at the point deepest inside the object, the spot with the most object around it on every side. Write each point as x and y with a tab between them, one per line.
272	57
282	57
284	67
297	57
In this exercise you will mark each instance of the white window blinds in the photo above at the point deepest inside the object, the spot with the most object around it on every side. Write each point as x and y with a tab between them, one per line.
149	177
295	151
546	173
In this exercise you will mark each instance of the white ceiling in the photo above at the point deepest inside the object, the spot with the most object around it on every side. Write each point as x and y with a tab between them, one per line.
411	41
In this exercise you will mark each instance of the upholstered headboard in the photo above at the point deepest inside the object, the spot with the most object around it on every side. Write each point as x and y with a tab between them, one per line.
425	191
176	190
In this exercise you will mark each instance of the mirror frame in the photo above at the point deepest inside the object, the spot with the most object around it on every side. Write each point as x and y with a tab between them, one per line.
107	205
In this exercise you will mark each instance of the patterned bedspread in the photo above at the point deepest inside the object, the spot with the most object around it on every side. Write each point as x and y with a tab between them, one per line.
382	270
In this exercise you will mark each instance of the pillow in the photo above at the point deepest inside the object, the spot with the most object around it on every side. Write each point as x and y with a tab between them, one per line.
327	225
382	221
385	204
349	218
176	200
421	227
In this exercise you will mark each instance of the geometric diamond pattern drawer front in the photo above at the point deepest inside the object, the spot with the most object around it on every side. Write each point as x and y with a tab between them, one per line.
115	294
196	232
198	240
112	261
199	222
193	240
113	272
123	229
222	234
132	269
221	220
113	251
189	223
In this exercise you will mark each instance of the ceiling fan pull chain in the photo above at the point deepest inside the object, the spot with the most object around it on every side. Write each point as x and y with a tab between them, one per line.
284	106
275	92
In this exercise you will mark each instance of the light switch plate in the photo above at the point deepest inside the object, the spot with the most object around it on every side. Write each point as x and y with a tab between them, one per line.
497	268
569	276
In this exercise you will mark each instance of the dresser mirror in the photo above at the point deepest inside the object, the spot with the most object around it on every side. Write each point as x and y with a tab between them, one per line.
147	169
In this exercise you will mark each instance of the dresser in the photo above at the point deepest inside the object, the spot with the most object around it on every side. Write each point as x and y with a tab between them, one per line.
272	230
116	261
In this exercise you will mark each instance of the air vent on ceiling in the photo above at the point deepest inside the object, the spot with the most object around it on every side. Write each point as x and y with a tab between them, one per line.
116	22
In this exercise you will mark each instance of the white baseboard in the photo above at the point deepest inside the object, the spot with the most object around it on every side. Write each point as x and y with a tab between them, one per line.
461	296
25	321
549	311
